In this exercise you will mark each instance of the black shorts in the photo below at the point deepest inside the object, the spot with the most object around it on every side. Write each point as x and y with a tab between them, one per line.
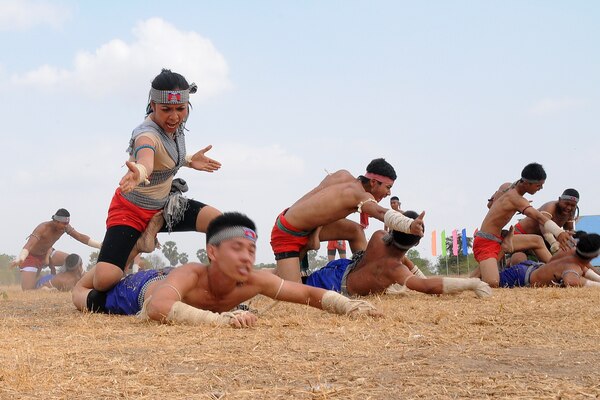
119	240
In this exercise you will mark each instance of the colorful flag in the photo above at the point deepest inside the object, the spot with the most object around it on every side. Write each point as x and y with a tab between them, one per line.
465	242
454	243
433	244
444	243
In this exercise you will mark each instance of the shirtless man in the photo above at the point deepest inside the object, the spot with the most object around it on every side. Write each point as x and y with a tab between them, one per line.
198	294
487	245
66	280
570	268
38	252
381	265
561	211
322	212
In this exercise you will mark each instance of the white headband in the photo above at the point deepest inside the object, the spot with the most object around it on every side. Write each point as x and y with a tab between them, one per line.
233	232
567	197
60	218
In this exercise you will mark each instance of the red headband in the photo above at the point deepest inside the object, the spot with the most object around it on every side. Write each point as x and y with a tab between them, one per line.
379	178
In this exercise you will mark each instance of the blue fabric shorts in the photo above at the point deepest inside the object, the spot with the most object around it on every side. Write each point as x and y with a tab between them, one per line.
124	297
518	275
42	280
330	276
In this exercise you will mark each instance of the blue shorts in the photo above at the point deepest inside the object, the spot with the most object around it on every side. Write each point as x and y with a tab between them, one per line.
127	297
330	276
518	275
42	280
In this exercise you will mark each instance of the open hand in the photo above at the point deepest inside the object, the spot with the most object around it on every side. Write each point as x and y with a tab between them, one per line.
201	162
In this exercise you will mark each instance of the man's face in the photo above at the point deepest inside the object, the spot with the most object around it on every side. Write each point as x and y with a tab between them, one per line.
533	188
235	257
395	204
60	225
566	207
380	190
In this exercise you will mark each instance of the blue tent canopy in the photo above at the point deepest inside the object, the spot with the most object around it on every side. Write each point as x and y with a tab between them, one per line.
590	224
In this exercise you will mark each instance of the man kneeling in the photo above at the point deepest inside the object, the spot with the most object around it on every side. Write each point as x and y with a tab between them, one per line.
196	294
380	266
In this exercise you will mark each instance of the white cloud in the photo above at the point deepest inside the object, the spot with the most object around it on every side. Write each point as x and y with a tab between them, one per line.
25	14
118	68
555	105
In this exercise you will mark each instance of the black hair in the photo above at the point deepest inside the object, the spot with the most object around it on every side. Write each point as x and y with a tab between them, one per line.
407	239
380	167
227	220
533	172
589	244
571	192
72	261
394	198
61	212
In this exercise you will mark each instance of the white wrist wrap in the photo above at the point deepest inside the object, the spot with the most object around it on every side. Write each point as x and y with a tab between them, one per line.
93	243
555	230
397	221
592	275
418	273
591	283
22	255
181	312
457	285
188	160
335	303
143	173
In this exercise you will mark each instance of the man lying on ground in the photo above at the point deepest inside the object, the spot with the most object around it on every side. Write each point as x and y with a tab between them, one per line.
570	268
381	265
64	281
197	294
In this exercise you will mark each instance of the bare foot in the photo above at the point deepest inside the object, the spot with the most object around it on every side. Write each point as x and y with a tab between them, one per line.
148	241
507	241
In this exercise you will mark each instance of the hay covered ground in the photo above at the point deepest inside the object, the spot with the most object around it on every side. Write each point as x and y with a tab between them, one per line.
521	343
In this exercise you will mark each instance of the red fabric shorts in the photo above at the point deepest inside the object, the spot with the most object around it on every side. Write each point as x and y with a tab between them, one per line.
286	238
33	261
336	245
123	212
485	248
519	229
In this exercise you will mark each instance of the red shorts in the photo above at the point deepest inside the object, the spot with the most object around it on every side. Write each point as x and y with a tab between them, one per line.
485	248
123	212
33	261
285	238
519	229
336	245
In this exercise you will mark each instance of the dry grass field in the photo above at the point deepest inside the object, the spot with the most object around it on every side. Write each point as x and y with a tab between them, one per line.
519	344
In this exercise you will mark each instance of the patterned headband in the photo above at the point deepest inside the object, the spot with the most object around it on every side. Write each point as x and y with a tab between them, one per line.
567	197
172	96
60	218
233	232
590	255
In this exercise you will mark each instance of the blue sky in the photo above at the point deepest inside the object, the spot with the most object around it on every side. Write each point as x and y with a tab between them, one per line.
457	95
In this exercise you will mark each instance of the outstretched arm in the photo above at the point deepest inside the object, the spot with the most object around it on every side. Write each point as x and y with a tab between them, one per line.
330	301
31	241
199	161
440	285
549	226
140	170
392	218
167	304
85	239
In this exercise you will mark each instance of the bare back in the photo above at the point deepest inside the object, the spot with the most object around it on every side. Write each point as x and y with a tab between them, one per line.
380	267
502	210
336	197
554	271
